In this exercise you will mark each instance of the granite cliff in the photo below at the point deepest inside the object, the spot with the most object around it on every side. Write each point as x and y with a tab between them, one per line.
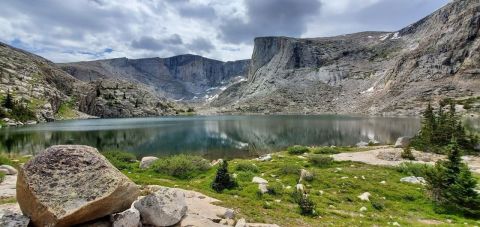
368	72
189	78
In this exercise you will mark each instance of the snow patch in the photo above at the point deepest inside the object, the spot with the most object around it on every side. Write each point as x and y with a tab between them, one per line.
384	37
396	36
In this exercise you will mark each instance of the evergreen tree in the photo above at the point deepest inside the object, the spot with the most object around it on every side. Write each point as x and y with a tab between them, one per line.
452	185
223	180
428	125
8	101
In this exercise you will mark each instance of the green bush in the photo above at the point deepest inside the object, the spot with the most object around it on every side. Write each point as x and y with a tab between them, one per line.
297	149
452	186
307	206
181	166
320	160
5	161
327	150
413	169
407	153
274	188
223	180
377	205
120	159
247	167
290	169
2	177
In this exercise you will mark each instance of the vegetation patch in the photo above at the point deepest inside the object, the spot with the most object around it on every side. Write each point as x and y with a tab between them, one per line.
247	167
181	166
297	150
320	160
120	159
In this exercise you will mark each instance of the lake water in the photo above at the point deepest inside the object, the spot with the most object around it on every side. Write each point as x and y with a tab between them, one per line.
209	136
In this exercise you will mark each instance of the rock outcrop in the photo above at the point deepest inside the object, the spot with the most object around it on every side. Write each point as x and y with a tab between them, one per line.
71	184
183	77
370	72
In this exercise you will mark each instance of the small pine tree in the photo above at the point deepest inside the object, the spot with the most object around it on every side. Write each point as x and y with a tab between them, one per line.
452	185
223	180
8	102
407	153
307	206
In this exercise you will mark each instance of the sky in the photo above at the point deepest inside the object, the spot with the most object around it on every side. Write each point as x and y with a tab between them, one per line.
82	30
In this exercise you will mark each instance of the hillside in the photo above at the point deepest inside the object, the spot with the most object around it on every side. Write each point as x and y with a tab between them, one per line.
184	77
50	93
369	72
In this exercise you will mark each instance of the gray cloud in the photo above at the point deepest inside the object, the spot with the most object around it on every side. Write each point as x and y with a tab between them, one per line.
270	18
80	30
201	45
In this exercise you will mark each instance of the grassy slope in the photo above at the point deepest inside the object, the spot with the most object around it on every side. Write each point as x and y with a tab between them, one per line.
404	203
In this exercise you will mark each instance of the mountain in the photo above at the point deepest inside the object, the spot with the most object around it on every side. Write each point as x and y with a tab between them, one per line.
368	72
51	93
184	77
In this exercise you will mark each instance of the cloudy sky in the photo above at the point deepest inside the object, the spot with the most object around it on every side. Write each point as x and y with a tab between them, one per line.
79	30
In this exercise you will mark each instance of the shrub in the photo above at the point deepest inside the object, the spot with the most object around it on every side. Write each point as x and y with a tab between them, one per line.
290	169
120	159
297	149
452	186
247	167
2	177
223	180
413	169
320	160
5	161
181	166
407	153
274	189
377	205
307	206
327	150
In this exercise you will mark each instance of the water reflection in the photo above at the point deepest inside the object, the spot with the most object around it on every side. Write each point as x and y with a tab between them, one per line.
212	136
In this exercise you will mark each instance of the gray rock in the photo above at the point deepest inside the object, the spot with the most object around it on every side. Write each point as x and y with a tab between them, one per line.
413	180
11	216
365	196
95	187
402	142
9	169
164	207
147	162
259	180
306	175
262	188
241	223
127	218
362	144
265	158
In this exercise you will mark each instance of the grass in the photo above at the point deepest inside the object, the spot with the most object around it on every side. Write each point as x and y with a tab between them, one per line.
297	150
66	110
334	192
181	166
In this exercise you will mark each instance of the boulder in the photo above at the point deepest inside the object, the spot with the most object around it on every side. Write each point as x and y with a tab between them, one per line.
9	170
128	218
364	196
265	158
262	188
413	180
11	216
147	162
164	207
300	188
259	180
241	223
71	184
402	142
362	144
305	175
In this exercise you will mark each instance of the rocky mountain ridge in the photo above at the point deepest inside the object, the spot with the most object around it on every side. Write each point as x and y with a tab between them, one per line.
51	93
369	72
189	78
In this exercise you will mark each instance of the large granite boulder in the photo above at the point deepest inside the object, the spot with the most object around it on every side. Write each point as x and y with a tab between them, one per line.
164	207
71	184
402	142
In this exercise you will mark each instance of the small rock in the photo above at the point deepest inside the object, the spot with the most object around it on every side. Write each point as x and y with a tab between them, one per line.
147	162
363	209
364	196
383	182
395	224
215	162
305	175
241	223
127	218
300	188
262	188
228	214
259	180
165	207
373	142
413	180
9	169
265	158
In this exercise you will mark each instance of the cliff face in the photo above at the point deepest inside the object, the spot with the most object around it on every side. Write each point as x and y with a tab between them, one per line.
369	72
184	77
49	91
